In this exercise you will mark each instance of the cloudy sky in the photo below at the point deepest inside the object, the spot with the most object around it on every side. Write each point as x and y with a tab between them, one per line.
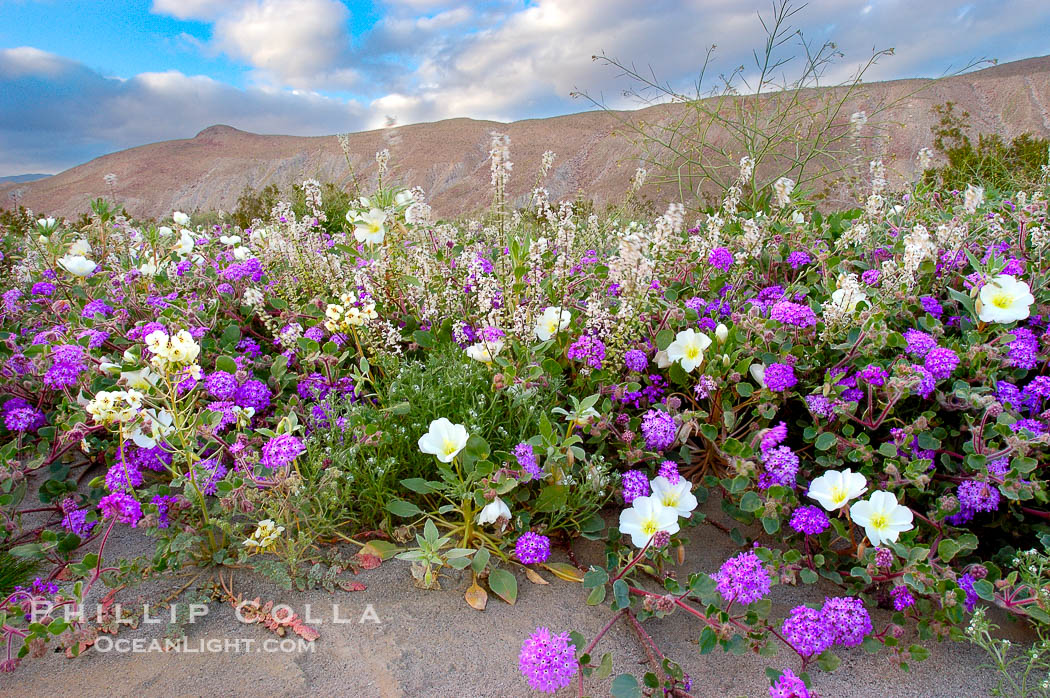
81	78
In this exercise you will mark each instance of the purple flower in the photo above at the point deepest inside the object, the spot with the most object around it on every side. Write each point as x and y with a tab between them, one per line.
67	363
589	350
74	519
788	685
774	436
254	394
532	548
781	466
720	258
527	459
806	630
669	471
799	259
902	598
966	584
870	277
1023	350
19	415
164	503
123	475
208	473
931	306
873	374
794	314
1032	425
122	507
810	520
743	579
42	288
280	451
927	381
940	362
548	661
221	385
919	343
780	377
659	430
847	619
635	484
636	360
820	406
977	496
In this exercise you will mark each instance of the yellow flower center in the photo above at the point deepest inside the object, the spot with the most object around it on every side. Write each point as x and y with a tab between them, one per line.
449	447
670	499
838	495
374	227
691	352
879	522
1002	300
649	527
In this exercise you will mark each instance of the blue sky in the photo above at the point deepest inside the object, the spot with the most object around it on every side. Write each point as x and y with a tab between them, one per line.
81	78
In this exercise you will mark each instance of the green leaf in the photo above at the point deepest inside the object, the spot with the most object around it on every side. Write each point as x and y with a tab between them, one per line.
552	498
400	507
826	441
597	595
708	640
596	576
625	686
226	363
664	338
418	484
481	558
984	589
918	652
504	585
828	661
947	549
750	502
621	594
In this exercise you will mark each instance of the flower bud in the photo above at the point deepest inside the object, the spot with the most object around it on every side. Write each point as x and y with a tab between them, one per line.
721	333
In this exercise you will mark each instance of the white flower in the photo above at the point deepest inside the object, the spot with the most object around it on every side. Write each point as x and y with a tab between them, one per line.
688	349
782	189
81	247
265	534
847	299
798	218
150	268
180	218
553	321
444	440
241	253
758	372
882	517
835	488
77	265
184	247
485	351
230	239
679	497
494	511
46	222
973	199
165	232
721	333
369	227
645	518
1004	299
583	417
155	427
403	198
142	379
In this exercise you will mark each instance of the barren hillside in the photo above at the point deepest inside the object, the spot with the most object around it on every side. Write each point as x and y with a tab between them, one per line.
449	159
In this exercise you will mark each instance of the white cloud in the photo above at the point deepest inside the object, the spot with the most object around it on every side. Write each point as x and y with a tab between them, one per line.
62	113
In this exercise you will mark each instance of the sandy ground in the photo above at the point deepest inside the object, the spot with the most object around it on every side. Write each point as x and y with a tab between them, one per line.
430	643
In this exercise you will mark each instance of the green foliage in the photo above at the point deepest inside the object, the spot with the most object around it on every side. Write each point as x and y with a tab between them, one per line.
15	571
255	204
991	162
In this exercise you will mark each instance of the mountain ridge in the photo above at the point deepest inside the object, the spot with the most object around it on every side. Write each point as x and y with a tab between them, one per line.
449	158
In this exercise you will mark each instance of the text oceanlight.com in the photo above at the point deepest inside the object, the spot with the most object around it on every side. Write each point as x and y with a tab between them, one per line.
184	645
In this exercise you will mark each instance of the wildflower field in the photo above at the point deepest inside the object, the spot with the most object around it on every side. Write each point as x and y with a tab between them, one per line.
864	390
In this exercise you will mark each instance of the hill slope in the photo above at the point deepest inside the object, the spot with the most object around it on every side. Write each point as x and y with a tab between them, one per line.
449	159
